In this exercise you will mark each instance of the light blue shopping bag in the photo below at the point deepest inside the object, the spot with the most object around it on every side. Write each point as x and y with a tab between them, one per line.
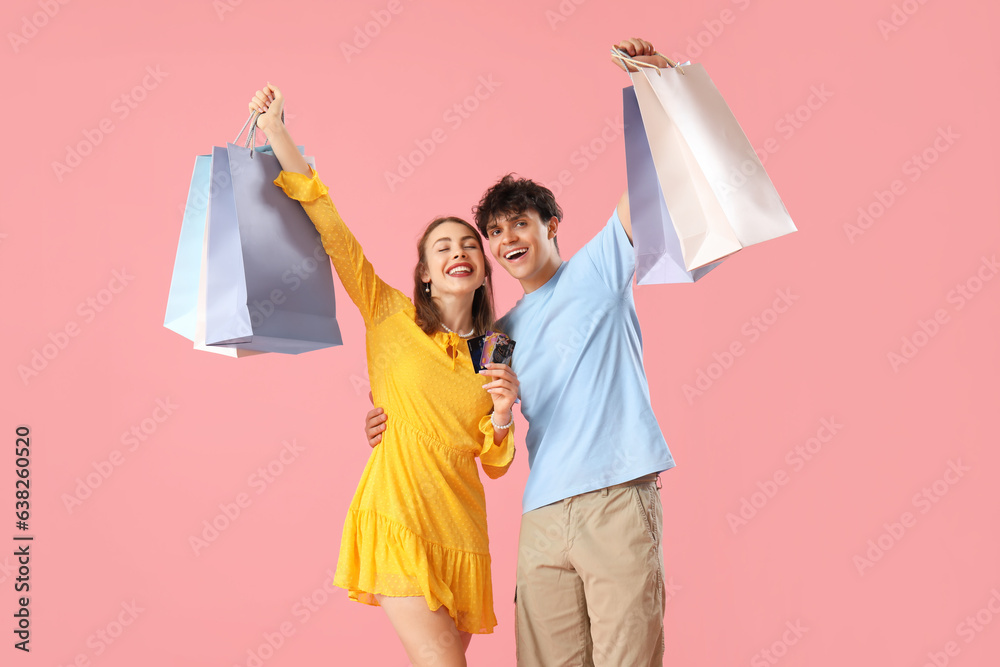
182	301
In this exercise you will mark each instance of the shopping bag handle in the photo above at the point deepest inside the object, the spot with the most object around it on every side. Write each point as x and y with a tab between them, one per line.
251	141
620	54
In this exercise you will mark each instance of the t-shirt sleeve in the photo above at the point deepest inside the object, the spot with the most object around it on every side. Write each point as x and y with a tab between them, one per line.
612	254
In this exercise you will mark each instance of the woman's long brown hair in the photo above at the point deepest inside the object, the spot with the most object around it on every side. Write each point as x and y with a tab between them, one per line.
427	317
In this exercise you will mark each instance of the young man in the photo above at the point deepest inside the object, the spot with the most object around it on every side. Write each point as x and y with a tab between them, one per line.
590	561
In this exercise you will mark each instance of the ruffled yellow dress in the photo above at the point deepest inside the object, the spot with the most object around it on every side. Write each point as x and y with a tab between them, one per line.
417	523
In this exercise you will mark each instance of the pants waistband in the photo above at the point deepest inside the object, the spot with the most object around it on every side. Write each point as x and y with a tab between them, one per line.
638	481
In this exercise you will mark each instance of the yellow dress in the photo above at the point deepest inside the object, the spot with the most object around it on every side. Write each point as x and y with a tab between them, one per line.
417	523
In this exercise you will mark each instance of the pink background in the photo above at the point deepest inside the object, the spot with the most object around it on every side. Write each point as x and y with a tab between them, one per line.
733	593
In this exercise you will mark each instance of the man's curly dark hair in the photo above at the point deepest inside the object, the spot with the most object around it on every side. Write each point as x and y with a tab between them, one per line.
512	196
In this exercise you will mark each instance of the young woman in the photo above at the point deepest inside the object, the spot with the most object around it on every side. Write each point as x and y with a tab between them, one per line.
415	539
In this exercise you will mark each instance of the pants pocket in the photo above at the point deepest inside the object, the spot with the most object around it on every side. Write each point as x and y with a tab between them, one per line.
517	644
647	504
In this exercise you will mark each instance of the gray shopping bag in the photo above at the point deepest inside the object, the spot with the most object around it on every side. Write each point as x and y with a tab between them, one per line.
269	283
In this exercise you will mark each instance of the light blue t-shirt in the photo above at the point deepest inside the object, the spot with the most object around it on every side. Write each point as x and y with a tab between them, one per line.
578	356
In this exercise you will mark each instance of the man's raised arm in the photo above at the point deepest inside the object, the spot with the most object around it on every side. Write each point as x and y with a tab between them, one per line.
643	51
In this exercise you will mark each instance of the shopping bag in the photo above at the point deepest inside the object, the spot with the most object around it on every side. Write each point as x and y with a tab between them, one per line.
185	300
719	197
182	300
202	302
267	243
269	281
658	258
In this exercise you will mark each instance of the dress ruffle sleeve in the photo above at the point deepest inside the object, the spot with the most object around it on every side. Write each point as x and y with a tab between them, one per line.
496	459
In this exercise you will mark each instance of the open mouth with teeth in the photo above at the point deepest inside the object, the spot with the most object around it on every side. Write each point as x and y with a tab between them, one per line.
460	271
515	254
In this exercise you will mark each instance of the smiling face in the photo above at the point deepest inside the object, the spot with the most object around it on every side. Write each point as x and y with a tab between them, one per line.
523	244
454	260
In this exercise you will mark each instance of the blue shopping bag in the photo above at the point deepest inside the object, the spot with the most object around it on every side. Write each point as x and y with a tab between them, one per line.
182	300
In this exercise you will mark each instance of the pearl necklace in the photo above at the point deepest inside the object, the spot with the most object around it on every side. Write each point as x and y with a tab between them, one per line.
465	335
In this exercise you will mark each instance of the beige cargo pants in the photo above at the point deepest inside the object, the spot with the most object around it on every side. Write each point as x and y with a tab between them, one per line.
590	586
